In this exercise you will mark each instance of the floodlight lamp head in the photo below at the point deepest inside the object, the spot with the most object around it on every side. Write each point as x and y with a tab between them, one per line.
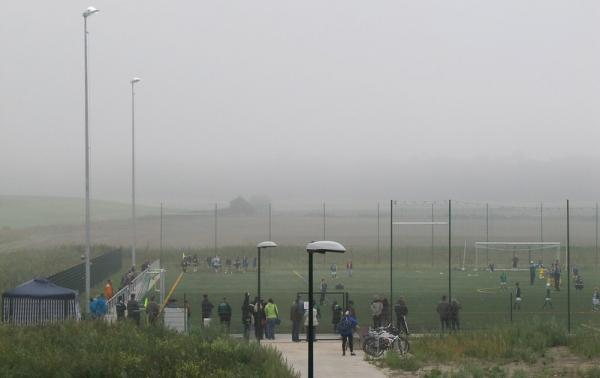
135	80
325	246
90	11
266	244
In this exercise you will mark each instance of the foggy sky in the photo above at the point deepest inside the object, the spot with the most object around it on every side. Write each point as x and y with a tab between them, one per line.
304	100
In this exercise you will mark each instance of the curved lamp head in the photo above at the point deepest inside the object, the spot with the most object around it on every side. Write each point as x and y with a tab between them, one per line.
266	244
324	247
90	11
135	80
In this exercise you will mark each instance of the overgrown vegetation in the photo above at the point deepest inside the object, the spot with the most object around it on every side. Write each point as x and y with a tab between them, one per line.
96	349
483	353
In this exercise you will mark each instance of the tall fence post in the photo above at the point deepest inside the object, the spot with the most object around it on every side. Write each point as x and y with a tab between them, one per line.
568	269
449	251
510	306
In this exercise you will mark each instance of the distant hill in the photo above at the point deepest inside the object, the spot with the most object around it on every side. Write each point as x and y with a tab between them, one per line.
29	211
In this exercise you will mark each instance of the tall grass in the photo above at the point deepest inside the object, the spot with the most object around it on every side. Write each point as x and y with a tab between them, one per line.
525	342
95	349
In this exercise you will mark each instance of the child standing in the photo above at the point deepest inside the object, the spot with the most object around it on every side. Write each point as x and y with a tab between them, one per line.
548	299
595	299
517	304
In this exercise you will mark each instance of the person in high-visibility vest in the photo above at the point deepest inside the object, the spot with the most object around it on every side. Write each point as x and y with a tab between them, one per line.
108	290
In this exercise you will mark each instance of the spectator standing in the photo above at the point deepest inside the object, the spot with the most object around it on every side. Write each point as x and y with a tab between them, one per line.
272	315
153	311
443	312
596	299
376	309
259	318
333	270
207	308
401	310
188	310
133	310
296	318
454	315
385	312
100	306
224	311
515	262
349	268
310	333
323	291
120	308
336	315
108	290
346	328
246	316
352	310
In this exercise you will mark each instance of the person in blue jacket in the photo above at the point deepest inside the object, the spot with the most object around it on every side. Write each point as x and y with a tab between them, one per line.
346	328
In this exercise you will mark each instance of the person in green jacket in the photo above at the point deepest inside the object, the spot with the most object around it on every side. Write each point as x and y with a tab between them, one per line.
272	315
224	311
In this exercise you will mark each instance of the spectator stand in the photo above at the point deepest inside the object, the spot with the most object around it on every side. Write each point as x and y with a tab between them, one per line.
153	278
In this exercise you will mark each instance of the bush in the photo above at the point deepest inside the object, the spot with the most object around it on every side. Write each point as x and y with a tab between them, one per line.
96	349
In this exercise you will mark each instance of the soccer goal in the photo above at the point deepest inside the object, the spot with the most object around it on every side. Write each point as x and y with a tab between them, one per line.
515	255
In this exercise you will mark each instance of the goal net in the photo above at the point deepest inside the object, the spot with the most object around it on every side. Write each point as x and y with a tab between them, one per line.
515	255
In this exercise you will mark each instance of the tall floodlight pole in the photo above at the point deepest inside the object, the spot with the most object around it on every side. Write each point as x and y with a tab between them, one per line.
161	235
378	243
449	251
216	229
88	12
270	237
568	268
133	220
541	222
259	248
432	234
391	249
487	233
596	235
312	248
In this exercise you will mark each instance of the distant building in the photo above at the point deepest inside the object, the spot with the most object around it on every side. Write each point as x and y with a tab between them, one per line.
239	206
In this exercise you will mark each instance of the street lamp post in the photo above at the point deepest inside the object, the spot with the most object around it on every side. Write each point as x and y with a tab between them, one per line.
134	227
88	12
260	247
312	248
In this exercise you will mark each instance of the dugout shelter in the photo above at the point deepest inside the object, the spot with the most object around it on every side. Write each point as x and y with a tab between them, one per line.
38	302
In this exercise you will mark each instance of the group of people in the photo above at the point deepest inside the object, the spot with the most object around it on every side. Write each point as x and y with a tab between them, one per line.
237	264
448	312
333	269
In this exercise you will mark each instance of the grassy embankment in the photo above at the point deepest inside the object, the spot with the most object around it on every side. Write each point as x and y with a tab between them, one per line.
503	351
96	349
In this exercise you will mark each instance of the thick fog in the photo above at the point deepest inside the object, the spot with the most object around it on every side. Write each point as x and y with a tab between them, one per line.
311	100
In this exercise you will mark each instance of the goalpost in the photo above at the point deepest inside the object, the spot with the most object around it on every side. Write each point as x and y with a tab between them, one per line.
518	255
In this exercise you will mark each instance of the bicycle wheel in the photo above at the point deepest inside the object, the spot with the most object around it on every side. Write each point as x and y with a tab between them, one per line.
402	344
372	348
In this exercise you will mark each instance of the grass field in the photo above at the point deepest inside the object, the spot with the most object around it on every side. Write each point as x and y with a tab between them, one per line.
483	304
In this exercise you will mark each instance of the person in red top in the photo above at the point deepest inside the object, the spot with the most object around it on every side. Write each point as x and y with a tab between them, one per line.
108	290
349	268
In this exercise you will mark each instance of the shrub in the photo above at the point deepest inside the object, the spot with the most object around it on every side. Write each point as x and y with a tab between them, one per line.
96	349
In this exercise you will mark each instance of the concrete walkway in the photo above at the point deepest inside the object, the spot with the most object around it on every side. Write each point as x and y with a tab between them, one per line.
328	361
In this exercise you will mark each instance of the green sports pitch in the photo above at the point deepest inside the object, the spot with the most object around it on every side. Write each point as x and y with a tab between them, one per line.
284	272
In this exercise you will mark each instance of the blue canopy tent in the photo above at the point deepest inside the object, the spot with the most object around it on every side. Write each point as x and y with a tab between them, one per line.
39	301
